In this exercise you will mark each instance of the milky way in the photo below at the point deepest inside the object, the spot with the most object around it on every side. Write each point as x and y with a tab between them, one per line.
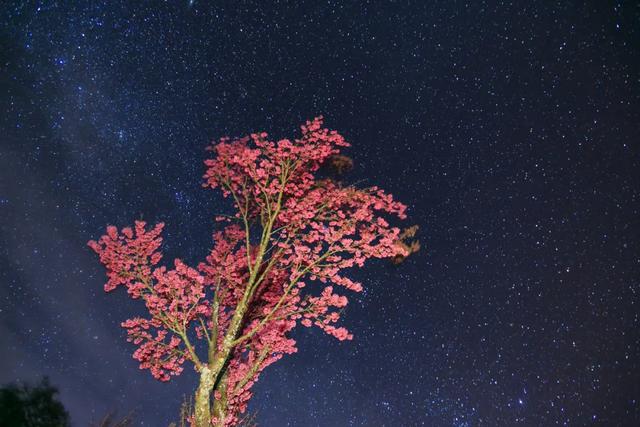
510	130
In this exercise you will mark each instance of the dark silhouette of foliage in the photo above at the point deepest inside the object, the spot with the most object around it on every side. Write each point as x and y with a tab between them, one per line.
22	405
248	420
339	164
110	420
410	246
186	409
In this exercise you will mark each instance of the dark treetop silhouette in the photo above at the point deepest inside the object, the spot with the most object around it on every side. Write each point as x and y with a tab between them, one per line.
23	405
292	233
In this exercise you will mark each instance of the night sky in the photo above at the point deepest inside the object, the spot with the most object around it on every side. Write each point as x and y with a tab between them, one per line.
510	129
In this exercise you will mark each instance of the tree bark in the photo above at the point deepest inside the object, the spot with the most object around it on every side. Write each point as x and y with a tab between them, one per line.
220	405
212	378
203	398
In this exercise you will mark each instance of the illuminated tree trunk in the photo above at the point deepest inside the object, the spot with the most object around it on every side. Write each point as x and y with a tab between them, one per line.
203	398
220	405
204	411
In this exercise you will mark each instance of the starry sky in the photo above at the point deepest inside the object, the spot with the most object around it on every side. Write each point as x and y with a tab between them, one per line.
510	129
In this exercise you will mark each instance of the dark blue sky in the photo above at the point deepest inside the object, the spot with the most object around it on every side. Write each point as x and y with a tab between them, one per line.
509	128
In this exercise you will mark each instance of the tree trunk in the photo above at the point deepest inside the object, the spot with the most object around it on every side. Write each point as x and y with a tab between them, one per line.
220	405
203	398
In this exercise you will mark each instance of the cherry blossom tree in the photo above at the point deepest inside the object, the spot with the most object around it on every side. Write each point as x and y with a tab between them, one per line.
278	262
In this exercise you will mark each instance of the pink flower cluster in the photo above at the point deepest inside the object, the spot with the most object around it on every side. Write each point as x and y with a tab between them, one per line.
249	362
127	256
162	358
173	298
250	167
